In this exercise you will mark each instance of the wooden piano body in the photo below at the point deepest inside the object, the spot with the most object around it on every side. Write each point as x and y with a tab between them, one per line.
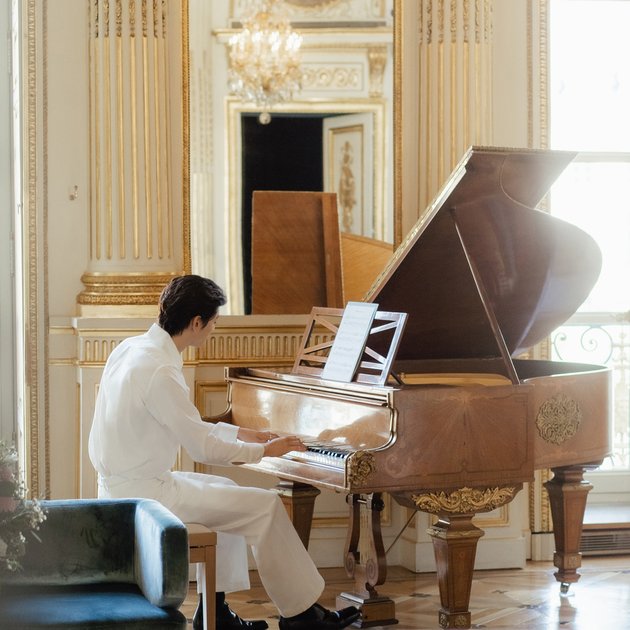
483	277
436	434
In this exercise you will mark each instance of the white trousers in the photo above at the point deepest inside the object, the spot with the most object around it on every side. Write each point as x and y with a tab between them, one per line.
240	516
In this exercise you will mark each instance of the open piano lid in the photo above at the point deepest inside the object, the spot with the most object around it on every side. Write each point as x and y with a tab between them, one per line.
483	274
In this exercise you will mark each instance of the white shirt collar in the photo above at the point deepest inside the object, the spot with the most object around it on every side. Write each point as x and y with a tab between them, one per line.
165	341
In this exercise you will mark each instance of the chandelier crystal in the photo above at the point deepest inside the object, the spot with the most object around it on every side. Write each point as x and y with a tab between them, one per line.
265	60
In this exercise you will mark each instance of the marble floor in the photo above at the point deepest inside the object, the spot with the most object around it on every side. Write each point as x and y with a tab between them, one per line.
526	598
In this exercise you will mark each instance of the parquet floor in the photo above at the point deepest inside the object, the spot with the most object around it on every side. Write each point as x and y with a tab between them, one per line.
526	598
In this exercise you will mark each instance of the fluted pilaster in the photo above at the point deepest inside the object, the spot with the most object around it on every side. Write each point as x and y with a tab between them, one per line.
136	104
455	105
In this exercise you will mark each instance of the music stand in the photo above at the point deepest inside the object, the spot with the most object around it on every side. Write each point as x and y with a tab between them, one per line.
373	368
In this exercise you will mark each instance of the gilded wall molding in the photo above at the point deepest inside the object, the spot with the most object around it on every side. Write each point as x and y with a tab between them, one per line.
185	35
120	289
237	340
276	346
543	37
35	427
398	108
538	137
340	76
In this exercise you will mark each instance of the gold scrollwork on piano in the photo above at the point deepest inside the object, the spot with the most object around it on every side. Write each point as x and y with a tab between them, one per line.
558	419
464	500
360	466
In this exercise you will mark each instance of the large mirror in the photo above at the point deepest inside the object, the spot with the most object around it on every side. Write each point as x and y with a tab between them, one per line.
336	134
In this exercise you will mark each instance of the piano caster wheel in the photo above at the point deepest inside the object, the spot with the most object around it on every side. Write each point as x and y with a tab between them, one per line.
564	588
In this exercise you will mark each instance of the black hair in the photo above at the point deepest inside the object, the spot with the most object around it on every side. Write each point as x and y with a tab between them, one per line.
185	297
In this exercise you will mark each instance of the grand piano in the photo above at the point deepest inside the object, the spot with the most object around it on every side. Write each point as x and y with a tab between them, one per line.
462	420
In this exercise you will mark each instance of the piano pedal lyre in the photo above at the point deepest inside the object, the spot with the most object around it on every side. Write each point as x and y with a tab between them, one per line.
376	610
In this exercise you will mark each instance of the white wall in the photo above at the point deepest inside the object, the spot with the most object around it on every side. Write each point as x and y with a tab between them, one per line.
67	82
510	105
67	220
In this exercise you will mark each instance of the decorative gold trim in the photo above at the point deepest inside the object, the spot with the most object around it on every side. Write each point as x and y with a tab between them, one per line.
146	144
465	500
158	118
539	507
397	107
123	288
121	132
558	419
107	132
377	60
360	466
543	36
35	422
186	137
134	132
252	346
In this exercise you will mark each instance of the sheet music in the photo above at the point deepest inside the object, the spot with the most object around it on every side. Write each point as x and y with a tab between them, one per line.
350	341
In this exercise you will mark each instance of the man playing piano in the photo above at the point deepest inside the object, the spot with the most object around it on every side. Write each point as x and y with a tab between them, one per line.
143	415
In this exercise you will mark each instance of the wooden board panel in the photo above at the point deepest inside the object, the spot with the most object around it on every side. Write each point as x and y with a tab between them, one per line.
296	260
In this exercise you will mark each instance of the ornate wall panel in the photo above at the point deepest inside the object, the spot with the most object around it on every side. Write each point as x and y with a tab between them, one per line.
33	431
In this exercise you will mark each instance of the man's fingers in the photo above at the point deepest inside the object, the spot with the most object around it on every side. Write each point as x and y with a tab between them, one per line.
297	444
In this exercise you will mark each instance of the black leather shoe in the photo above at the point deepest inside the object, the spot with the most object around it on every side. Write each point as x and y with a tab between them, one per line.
319	618
232	621
226	619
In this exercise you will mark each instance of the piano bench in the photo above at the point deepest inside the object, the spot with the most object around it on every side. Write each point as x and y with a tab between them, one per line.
202	548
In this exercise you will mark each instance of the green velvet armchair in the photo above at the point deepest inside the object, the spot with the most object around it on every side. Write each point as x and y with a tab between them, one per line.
100	563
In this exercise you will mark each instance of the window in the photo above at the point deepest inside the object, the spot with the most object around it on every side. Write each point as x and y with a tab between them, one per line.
590	113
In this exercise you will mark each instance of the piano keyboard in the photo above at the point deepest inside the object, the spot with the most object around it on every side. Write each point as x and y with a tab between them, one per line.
322	453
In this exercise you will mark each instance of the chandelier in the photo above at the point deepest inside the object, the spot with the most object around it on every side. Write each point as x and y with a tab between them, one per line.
264	60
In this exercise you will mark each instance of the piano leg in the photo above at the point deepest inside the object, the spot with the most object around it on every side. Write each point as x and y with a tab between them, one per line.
299	502
370	571
455	545
568	492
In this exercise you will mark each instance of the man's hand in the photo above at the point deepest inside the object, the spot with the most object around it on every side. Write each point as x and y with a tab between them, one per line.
251	435
280	446
274	445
